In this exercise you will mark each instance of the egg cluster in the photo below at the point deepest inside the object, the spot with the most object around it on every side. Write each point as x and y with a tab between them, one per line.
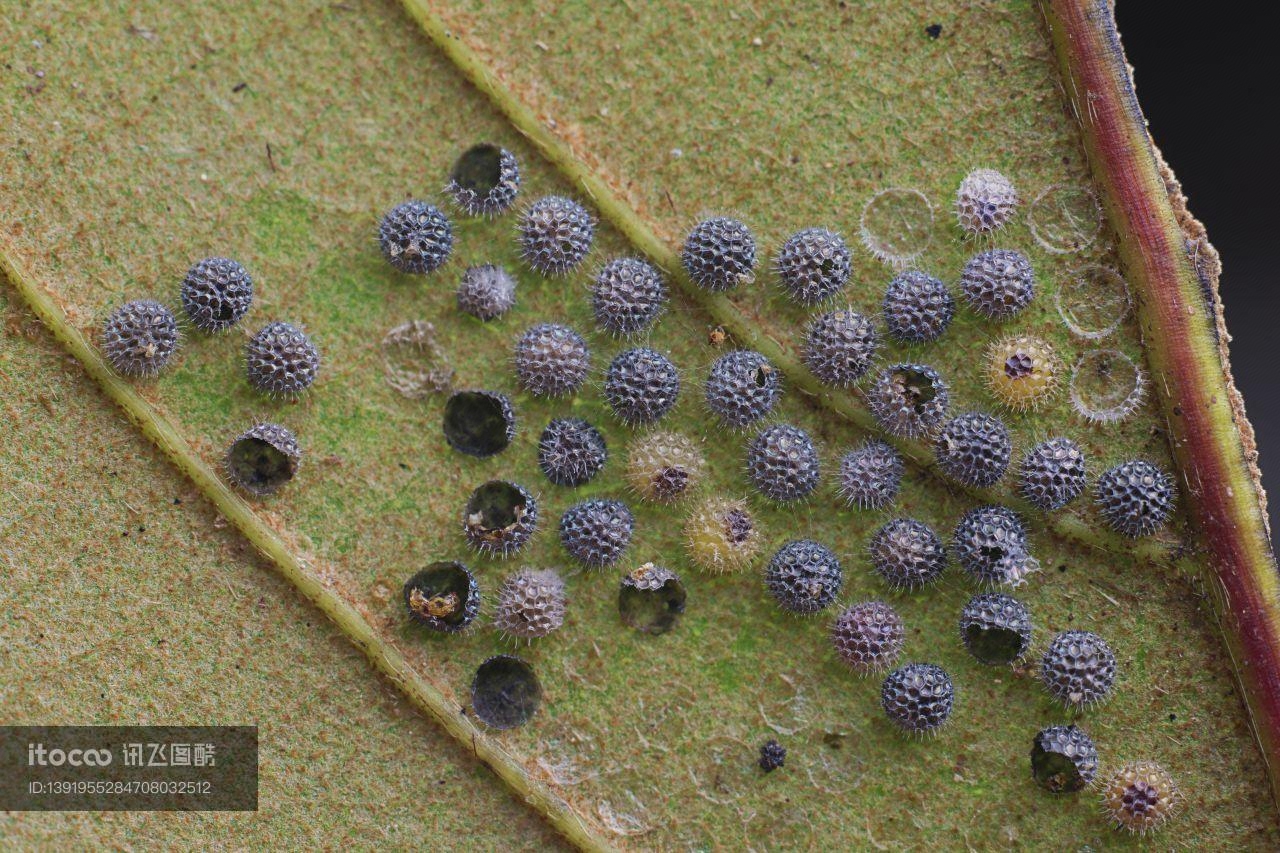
908	400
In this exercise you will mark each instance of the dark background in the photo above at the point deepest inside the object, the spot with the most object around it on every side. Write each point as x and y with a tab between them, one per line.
1207	83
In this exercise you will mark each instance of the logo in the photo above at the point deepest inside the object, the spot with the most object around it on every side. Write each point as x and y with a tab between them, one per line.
38	756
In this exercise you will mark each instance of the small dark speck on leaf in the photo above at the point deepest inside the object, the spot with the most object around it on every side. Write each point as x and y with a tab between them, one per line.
240	87
772	756
933	30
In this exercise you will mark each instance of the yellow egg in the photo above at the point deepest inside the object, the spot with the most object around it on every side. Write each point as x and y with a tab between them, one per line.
1022	371
664	466
1140	796
721	536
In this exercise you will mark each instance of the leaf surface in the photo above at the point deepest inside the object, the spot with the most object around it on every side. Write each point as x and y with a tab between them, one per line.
139	150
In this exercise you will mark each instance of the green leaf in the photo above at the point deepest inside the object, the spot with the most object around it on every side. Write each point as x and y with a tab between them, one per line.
139	151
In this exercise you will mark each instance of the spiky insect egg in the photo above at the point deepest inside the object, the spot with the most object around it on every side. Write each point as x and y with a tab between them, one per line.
416	237
985	201
973	448
868	636
597	532
555	235
531	604
918	697
991	544
917	307
485	180
1135	497
998	283
479	423
907	554
571	451
804	576
140	337
722	536
551	360
505	692
486	292
627	296
773	756
742	387
1078	669
1022	371
813	265
664	466
909	400
641	385
783	463
1052	473
263	458
281	359
840	347
719	254
1063	759
995	628
871	475
444	597
651	599
216	293
500	518
1140	796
